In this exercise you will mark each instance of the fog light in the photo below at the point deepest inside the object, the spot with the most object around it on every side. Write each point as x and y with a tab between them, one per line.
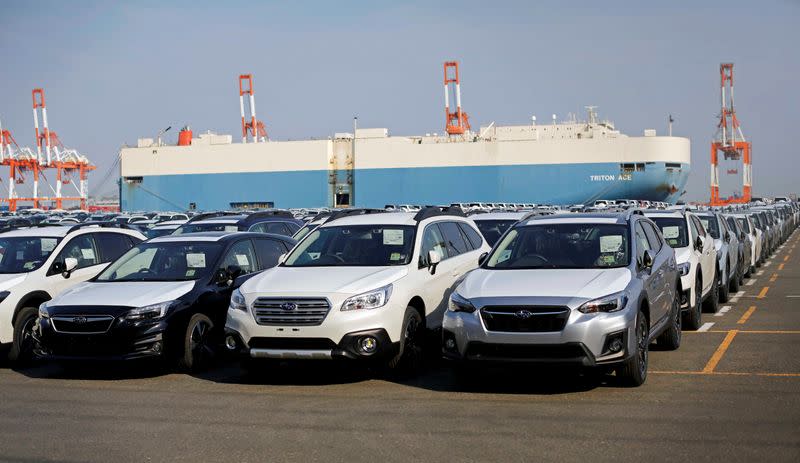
230	342
157	347
368	344
450	344
616	345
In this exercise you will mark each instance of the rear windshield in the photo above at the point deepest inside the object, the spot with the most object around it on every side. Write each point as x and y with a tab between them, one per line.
674	230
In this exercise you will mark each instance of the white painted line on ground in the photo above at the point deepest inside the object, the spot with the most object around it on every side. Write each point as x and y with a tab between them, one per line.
792	296
722	311
768	264
759	273
751	282
705	327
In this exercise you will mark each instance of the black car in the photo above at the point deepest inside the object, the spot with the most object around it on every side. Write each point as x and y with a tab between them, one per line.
277	222
167	297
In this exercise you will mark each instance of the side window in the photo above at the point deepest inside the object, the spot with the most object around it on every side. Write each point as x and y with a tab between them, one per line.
652	236
432	240
268	252
243	255
695	232
473	236
111	245
642	244
293	227
271	227
81	247
453	238
698	226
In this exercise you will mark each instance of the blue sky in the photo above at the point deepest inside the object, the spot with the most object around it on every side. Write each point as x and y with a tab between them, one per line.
114	72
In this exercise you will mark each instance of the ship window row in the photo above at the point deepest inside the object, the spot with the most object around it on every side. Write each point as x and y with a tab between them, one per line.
632	167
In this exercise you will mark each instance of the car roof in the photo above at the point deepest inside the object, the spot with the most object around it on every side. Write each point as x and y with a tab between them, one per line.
587	217
663	213
62	230
216	236
499	216
383	218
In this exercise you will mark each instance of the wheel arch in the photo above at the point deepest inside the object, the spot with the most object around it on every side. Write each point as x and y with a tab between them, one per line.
35	298
419	305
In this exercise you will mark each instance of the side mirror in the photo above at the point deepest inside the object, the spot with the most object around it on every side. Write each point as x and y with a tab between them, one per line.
65	268
647	259
728	236
433	260
482	258
226	276
698	243
233	271
742	236
282	258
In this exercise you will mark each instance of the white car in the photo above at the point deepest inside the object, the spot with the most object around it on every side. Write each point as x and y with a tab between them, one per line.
697	262
362	287
38	263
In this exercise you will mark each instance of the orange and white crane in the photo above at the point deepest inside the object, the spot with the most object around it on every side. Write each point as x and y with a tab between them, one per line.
456	122
730	142
250	125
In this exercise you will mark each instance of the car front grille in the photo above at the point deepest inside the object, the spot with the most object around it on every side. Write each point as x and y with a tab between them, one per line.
82	324
291	311
524	319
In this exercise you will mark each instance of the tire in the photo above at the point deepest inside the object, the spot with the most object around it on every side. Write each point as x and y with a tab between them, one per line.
409	357
198	344
634	372
736	281
711	304
670	339
694	316
21	352
724	287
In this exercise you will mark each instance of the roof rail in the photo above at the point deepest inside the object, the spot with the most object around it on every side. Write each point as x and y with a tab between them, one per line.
210	215
348	212
533	214
633	211
99	225
434	211
271	213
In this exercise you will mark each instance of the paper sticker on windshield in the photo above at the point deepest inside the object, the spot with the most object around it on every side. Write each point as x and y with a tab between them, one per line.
393	237
395	256
610	243
190	272
241	260
48	244
231	228
87	253
671	232
196	260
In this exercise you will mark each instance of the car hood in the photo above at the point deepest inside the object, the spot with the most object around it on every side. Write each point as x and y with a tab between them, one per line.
322	280
9	280
567	283
123	293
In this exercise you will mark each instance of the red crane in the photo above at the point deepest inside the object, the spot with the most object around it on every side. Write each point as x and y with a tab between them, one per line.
253	126
457	122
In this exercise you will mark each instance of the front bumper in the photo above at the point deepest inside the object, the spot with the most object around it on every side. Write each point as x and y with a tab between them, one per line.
121	342
584	341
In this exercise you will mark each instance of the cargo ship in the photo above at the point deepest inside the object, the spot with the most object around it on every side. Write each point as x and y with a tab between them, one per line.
568	162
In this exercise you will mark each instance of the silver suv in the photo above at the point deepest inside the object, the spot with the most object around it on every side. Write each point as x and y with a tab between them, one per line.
591	290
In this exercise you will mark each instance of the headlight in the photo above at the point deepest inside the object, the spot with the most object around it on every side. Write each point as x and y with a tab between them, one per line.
683	268
610	303
148	312
43	313
371	300
460	304
237	301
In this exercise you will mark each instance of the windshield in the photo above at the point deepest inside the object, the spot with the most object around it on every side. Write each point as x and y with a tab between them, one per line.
25	253
492	230
711	225
206	227
674	230
355	245
304	231
163	262
562	246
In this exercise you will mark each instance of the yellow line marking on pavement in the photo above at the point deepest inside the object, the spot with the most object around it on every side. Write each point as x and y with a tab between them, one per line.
748	331
727	373
785	259
780	267
773	278
746	315
763	292
714	360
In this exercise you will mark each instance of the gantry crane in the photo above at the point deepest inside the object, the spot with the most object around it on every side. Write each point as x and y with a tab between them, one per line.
250	126
456	122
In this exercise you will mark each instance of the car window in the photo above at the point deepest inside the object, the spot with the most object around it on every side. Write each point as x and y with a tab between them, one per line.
453	238
268	252
432	240
354	245
492	230
652	236
642	244
242	255
711	225
699	228
83	249
112	245
472	236
279	228
25	254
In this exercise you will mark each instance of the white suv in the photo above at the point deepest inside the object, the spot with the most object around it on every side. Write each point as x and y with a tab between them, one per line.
360	286
38	263
697	262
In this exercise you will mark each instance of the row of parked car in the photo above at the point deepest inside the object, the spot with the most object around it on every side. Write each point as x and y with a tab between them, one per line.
591	290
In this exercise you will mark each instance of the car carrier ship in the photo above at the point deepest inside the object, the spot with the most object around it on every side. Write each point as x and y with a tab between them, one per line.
566	162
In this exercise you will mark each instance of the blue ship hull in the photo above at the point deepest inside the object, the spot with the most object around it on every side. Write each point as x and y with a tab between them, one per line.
533	183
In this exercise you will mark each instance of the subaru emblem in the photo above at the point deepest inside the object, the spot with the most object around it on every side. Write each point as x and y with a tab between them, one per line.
288	306
79	320
524	314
